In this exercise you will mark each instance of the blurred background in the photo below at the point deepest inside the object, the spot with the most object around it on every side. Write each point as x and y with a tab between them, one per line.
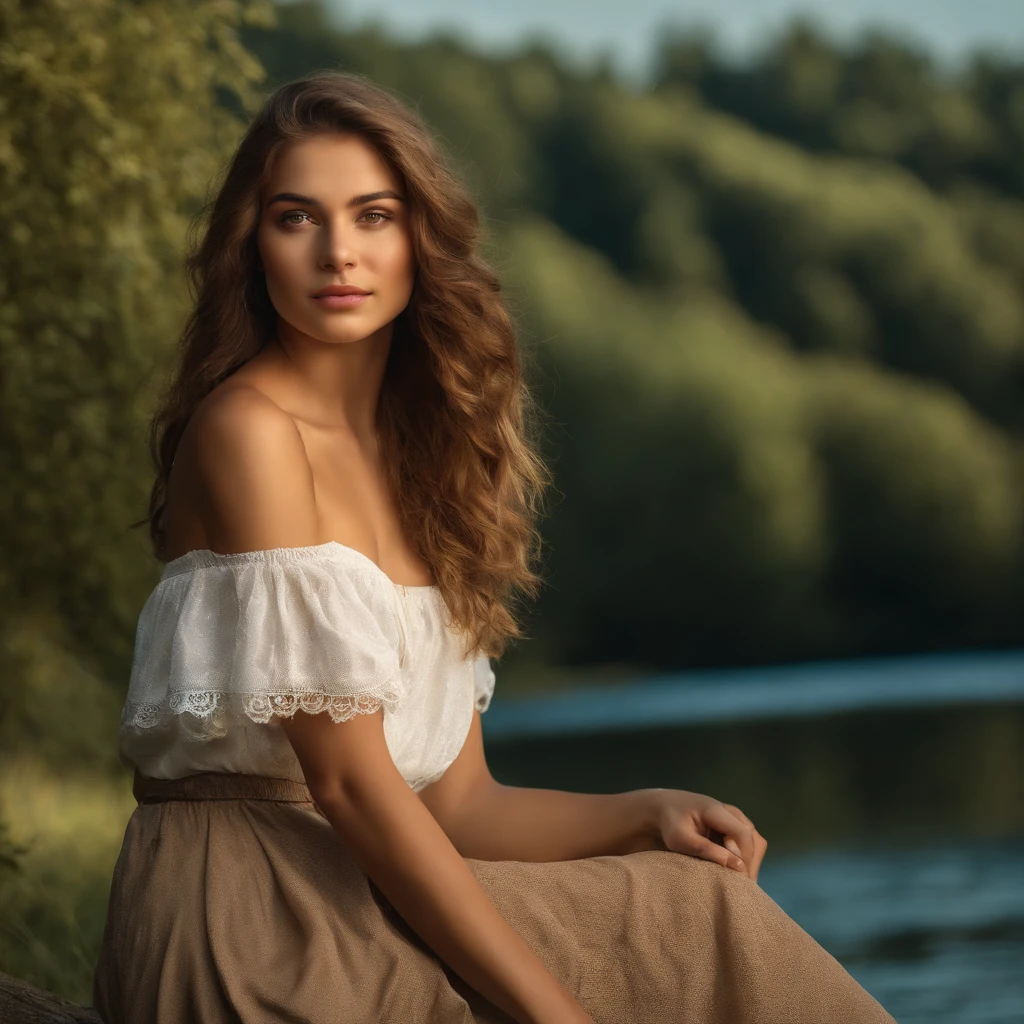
767	263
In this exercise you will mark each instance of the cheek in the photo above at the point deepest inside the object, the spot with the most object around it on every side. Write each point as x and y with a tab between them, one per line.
400	262
282	258
284	270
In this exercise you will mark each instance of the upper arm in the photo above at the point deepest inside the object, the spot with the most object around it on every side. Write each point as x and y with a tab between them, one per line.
463	781
338	758
256	493
256	485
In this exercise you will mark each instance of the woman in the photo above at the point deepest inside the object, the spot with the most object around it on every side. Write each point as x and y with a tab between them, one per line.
346	501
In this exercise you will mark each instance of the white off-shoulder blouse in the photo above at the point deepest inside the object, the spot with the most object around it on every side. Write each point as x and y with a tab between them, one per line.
227	644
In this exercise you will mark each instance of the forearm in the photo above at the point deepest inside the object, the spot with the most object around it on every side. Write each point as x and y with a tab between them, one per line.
518	823
404	850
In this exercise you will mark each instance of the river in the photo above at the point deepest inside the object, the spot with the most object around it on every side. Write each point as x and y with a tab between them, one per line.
891	792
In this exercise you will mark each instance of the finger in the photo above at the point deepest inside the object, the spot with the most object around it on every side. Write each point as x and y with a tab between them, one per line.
762	849
729	825
760	846
760	843
706	849
750	869
739	814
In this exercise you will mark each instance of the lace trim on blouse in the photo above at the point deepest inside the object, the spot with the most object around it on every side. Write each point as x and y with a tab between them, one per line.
260	707
265	634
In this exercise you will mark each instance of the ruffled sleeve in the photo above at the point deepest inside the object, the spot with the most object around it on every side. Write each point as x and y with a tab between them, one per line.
483	688
263	634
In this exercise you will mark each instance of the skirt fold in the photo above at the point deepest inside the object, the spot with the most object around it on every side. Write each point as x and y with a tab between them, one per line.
233	900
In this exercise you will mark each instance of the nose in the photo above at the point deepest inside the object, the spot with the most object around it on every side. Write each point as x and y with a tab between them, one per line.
336	249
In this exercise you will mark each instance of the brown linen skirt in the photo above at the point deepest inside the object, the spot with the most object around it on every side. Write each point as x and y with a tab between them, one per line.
234	900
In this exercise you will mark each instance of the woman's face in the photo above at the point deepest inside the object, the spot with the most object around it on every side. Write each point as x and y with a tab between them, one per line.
333	213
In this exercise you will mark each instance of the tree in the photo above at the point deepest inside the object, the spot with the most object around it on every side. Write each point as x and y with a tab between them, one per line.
114	118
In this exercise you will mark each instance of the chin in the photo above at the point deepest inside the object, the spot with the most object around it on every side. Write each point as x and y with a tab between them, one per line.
347	334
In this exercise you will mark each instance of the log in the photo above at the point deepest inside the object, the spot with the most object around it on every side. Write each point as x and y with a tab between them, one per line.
22	1003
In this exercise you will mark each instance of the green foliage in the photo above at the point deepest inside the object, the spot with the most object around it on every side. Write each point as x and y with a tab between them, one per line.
881	98
61	709
10	853
841	255
924	508
690	495
110	131
67	828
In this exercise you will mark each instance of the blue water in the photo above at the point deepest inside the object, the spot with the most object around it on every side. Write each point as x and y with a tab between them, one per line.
935	933
754	694
924	910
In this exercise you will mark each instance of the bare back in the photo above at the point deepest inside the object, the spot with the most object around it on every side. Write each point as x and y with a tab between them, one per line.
353	506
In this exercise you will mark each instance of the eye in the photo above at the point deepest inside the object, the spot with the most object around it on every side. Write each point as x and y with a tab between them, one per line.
283	219
378	213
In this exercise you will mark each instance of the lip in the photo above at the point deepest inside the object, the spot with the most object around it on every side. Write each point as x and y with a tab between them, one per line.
340	289
331	301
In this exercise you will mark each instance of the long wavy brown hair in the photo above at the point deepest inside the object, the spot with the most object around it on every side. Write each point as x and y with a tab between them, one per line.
457	423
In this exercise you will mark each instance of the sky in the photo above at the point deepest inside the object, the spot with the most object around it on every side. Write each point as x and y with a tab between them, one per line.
625	29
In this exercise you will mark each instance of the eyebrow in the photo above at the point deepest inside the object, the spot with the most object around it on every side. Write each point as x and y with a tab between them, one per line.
370	197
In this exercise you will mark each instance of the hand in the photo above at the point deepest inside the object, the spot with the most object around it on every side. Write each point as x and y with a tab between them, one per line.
701	826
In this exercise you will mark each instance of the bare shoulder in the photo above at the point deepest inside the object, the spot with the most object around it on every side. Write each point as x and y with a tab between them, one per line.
254	478
235	424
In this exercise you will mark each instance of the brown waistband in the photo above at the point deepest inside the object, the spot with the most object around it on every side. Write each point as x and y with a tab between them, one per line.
219	786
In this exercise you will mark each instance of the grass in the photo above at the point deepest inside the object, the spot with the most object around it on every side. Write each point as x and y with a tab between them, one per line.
67	833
